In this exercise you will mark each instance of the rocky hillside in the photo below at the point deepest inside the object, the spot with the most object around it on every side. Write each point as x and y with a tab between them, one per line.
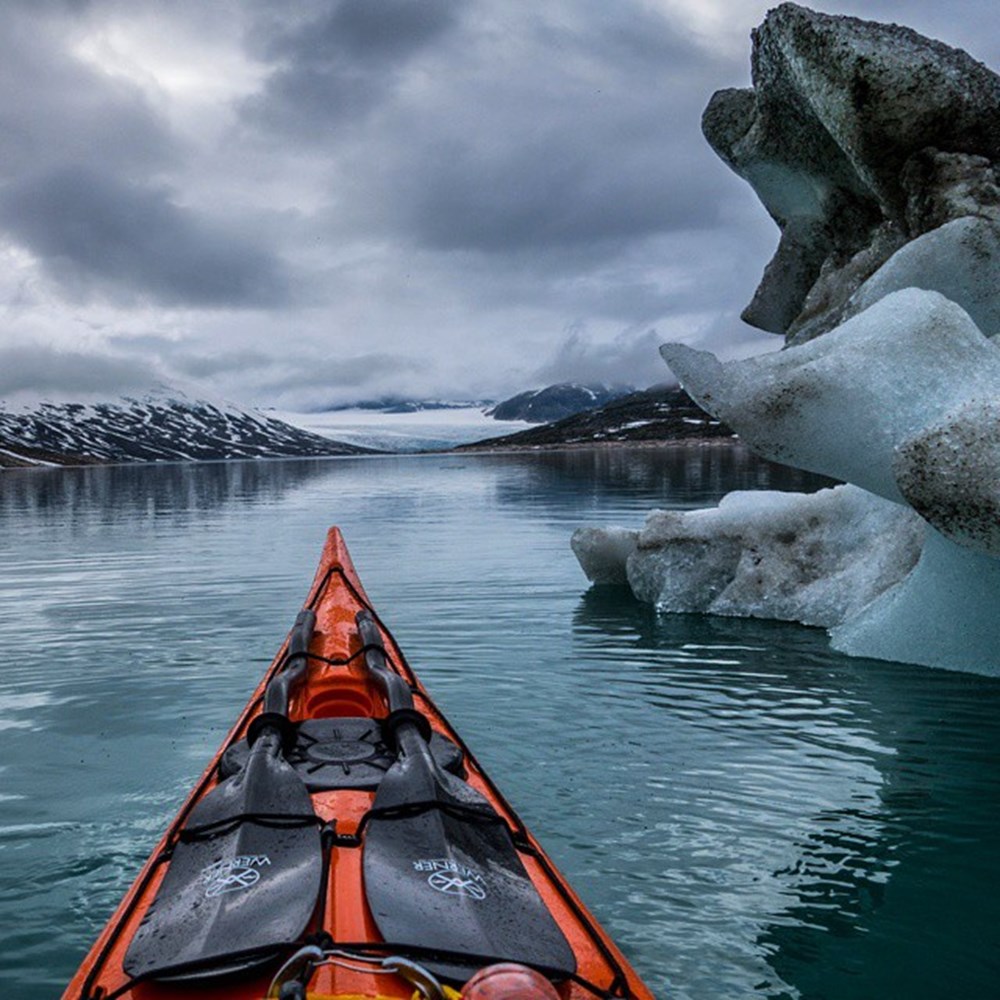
159	427
658	414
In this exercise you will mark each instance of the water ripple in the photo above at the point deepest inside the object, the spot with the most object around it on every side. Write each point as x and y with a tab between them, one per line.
748	813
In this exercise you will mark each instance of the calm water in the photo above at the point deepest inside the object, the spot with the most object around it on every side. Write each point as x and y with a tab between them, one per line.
750	814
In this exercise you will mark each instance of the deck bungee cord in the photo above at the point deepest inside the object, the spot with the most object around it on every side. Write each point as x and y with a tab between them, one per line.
345	824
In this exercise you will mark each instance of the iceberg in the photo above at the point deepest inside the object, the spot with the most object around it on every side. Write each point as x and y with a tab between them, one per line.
943	614
961	260
815	558
902	400
875	150
603	553
851	403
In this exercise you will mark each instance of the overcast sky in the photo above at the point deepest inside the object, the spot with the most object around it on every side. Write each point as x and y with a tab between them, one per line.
301	203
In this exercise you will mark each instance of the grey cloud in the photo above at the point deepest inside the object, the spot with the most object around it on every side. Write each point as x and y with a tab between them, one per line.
635	283
306	102
581	128
55	109
363	31
311	374
70	6
553	195
727	336
637	301
74	143
178	357
95	233
625	34
574	140
155	344
38	368
630	359
340	64
315	383
224	362
447	178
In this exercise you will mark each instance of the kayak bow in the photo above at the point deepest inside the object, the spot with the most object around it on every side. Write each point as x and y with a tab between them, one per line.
345	830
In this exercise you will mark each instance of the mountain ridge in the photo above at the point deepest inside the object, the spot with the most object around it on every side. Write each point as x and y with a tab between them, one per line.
159	426
557	401
656	415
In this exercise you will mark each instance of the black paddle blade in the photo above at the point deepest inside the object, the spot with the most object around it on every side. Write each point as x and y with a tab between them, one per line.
243	881
448	878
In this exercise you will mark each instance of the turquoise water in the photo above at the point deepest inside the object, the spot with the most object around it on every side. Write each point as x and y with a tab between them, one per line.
750	814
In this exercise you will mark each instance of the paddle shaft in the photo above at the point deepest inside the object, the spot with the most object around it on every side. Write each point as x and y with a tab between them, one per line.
279	689
393	688
406	728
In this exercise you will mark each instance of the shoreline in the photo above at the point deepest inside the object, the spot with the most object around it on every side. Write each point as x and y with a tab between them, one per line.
649	444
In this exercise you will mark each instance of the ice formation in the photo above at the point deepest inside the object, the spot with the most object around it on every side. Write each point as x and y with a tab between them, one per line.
857	137
943	614
961	260
875	150
816	558
849	404
604	552
902	401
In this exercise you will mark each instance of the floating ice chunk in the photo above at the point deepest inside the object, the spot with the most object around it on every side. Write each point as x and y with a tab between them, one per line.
814	558
841	404
944	614
960	259
603	552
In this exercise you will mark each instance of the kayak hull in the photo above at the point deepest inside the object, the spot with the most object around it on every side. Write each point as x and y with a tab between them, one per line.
337	695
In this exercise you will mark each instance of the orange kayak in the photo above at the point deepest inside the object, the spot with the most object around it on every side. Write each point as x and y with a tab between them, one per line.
344	842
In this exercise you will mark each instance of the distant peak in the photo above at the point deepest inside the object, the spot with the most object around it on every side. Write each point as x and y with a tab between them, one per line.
555	402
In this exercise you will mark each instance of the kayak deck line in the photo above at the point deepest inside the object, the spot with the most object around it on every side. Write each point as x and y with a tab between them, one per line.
336	695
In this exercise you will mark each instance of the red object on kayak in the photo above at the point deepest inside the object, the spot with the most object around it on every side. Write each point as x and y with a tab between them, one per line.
508	981
339	733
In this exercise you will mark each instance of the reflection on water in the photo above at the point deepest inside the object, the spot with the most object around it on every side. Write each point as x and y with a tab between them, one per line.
684	474
843	815
689	476
749	813
900	898
117	492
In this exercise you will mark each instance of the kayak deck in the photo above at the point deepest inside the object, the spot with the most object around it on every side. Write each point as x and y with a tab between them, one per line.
341	758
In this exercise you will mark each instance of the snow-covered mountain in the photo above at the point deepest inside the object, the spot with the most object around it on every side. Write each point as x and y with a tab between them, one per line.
161	426
658	414
555	402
